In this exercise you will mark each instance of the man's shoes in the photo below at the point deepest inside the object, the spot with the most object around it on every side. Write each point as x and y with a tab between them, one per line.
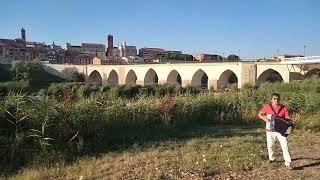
271	161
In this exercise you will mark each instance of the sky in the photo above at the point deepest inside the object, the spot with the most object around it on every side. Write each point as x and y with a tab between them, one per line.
249	28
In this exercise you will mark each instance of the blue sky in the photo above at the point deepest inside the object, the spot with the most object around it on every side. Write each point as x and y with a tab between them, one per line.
258	28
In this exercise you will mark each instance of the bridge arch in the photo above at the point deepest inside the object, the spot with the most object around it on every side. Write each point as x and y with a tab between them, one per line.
200	79
174	78
313	72
151	77
113	78
296	76
227	78
269	75
94	78
131	77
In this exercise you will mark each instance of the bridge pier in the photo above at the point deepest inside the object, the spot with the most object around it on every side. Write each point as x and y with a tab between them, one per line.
104	83
162	81
140	82
213	83
184	83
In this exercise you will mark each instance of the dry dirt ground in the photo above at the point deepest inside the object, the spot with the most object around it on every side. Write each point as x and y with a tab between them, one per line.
304	149
175	160
305	154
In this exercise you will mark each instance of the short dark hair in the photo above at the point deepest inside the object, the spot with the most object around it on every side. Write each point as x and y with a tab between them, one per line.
275	94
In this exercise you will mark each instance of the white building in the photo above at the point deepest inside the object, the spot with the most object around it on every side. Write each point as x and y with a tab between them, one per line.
127	51
133	60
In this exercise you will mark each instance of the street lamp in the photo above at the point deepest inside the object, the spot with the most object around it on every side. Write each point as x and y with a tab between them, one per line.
304	51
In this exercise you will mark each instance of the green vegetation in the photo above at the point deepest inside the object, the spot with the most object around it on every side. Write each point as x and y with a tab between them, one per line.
233	58
26	77
71	120
4	73
32	72
13	86
77	77
196	153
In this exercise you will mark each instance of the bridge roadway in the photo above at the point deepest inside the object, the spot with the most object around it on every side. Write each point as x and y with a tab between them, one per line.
209	75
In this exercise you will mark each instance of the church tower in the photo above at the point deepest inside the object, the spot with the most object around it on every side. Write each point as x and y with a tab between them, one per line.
23	34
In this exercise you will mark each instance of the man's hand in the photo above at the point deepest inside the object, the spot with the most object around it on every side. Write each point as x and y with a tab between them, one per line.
266	119
263	117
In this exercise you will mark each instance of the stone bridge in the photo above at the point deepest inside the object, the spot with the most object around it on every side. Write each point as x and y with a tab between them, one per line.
207	75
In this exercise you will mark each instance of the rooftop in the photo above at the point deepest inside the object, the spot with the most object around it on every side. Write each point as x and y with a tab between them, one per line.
16	43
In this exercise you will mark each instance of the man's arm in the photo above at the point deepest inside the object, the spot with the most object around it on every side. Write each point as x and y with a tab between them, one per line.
262	115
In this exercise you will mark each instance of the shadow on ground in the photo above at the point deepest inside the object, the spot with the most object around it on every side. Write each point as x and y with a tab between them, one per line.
155	138
314	164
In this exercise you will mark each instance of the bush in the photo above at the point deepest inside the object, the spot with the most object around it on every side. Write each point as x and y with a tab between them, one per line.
191	89
13	86
249	86
4	73
56	91
131	91
77	77
32	72
83	91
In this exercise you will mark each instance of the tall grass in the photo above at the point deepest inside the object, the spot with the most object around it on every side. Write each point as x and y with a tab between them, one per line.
13	86
127	114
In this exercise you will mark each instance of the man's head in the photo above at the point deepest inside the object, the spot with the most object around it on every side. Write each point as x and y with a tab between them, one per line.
275	99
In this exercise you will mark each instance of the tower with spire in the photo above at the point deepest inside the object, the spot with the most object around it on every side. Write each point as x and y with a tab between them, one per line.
23	34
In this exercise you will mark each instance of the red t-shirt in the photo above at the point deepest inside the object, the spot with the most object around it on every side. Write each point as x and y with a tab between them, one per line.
282	114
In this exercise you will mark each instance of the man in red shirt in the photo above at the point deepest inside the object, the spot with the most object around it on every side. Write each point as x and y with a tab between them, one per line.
275	109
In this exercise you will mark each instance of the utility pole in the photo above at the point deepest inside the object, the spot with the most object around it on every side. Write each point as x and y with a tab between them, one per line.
304	50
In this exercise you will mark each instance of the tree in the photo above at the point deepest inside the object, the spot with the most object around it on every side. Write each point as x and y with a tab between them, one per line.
33	72
19	70
4	73
233	58
77	77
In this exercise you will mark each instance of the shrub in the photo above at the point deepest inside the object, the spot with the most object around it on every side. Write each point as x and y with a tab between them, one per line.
13	86
32	71
56	90
131	91
191	89
83	91
249	86
77	77
160	90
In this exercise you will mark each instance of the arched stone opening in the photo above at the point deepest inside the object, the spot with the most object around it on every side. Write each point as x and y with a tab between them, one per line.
131	77
94	78
151	77
227	79
174	78
200	79
113	78
270	76
313	73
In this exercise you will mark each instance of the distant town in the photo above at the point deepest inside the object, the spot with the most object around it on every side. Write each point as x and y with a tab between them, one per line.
100	54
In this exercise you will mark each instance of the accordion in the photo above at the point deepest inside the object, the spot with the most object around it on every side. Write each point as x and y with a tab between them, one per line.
280	125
